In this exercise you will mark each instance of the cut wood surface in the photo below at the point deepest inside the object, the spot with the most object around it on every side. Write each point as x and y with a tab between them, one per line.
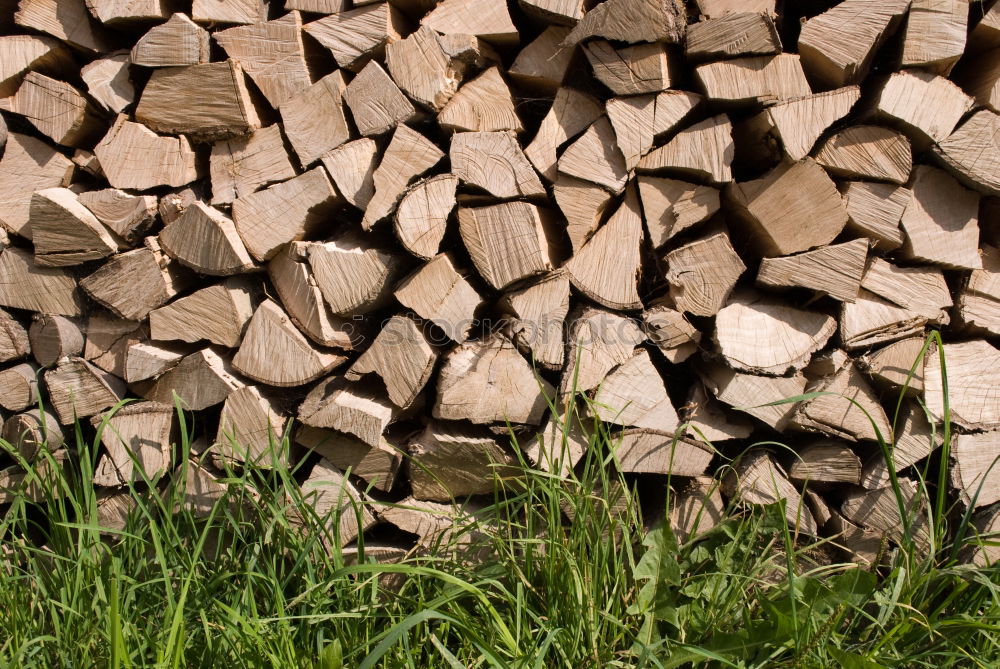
422	216
353	276
14	341
179	41
671	332
702	274
64	232
207	241
935	33
704	151
272	55
217	314
761	78
643	68
670	206
757	479
377	465
867	152
825	462
494	162
108	81
941	221
922	290
137	158
970	152
313	118
134	283
408	155
847	408
799	122
571	112
128	216
928	106
242	165
972	374
52	338
250	429
599	340
448	460
891	364
28	164
639	120
651	452
870	320
352	166
57	110
483	104
78	389
353	36
137	439
753	394
506	241
438	293
402	356
633	395
539	314
874	211
834	270
351	408
19	387
734	34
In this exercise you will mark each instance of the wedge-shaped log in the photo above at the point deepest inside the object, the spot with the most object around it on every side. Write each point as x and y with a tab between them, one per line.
559	12
137	443
915	440
352	166
376	103
631	70
251	430
571	112
232	11
539	313
422	217
488	20
402	356
50	290
424	69
30	53
242	165
672	333
927	106
542	65
696	508
335	502
201	380
68	21
834	270
438	293
206	240
799	122
494	162
52	338
135	158
64	231
632	21
633	395
851	411
583	205
408	155
595	157
128	216
179	41
979	301
890	365
217	313
941	221
974	471
354	276
638	120
709	422
272	55
702	274
108	81
313	118
30	431
559	445
134	283
735	34
78	389
506	241
704	151
108	339
752	394
57	110
348	407
147	360
867	152
357	35
935	34
973	368
653	452
758	479
376	465
19	387
116	11
922	290
879	510
599	340
484	104
870	320
14	342
874	211
670	207
764	79
28	165
970	152
448	460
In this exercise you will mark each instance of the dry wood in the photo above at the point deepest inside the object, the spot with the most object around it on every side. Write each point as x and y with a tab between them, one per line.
108	339
231	11
217	313
758	479
28	165
891	364
708	422
64	231
595	157
973	370
941	221
147	360
494	162
271	53
713	9
599	340
242	165
697	508
827	461
670	207
878	510
351	408
735	34
633	395
935	34
971	152
506	241
867	152
41	485
915	440
561	12
49	290
638	120
201	380
980	78
19	386
284	212
643	68
335	501
32	430
78	389
870	320
179	41
482	18
927	106
20	54
134	157
137	443
774	206
422	216
408	155
352	166
539	312
985	551
484	104
582	204
652	452
751	393
838	46
313	119
852	410
834	270
251	430
57	110
632	21
704	151
558	446
979	301
274	352
52	339
67	20
376	103
376	465
438	293
14	341
920	289
115	11
402	356
799	122
205	240
862	546
134	283
671	332
756	78
702	274
128	216
986	33
357	35
874	211
354	276
543	64
448	460
763	335
571	112
88	162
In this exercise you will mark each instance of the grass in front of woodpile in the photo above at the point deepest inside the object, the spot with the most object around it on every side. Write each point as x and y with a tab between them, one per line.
248	587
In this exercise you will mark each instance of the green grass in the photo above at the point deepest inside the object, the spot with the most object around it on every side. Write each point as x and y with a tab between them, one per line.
250	587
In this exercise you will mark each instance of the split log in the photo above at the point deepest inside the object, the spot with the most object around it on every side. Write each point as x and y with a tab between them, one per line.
436	525
217	313
583	205
878	510
179	41
438	293
205	240
571	112
64	231
633	395
850	411
377	466
376	103
353	276
757	479
891	364
922	290
52	339
560	12
874	211
314	120
927	106
448	460
30	53
49	290
859	545
472	387
595	157
351	408
200	380
108	339
57	110
147	360
799	122
980	78
713	9
735	34
702	274
484	104
67	20
941	221
651	452
752	394
19	387
539	312
559	446
638	120
242	165
632	21
251	430
979	301
352	166
14	341
838	46
970	152
134	283
697	508
408	155
671	332
357	35
128	216
867	152
705	421
88	162
41	486
494	162
542	65
916	438
834	270
774	206
756	78
274	352
32	430
973	368
422	216
231	11
126	11
670	207
78	389
869	320
402	356
935	34
984	550
335	502
507	241
632	70
704	151
599	340
134	157
137	442
827	461
487	20
28	164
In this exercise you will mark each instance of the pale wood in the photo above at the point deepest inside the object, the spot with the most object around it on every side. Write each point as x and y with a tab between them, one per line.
173	101
851	411
916	438
986	33
435	524
336	502
14	340
774	206
251	430
134	283
67	20
713	9
704	151
971	152
78	389
756	78
108	339
485	19
935	34
179	41
891	364
671	332
490	382
874	211
351	408
114	510
606	268
242	165
838	46
354	276
751	393
352	167
124	11
230	11
571	112
88	162
376	103
878	510
20	54
638	120
599	341
357	35
539	312
979	301
313	119
137	443
494	162
867	152
217	313
402	356
49	290
941	221
422	216
834	270
41	486
702	274
448	460
134	157
32	430
632	21
707	421
129	216
865	547
559	445
670	206
870	320
561	12
633	394
174	204
52	338
980	78
376	465
583	205
202	490
408	155
758	479
284	212
147	360
64	232
506	241
697	507
735	34
207	241
274	352
920	289
631	70
483	104
984	552
973	369
57	110
928	106
28	164
542	65
799	122
595	157
19	386
200	380
648	451
827	461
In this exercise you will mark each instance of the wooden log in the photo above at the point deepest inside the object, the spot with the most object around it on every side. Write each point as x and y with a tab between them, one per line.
571	112
878	510
402	356
850	411
66	20
702	274
671	332
284	212
539	313
376	103
638	120
799	122
57	110
134	157
606	268
487	20
14	339
920	289
859	545
757	479
543	64
408	155
969	152
448	460
64	231
916	438
983	550
484	104
583	205
838	46
980	78
506	241
30	431
354	276
762	79
697	508
891	365
979	301
422	216
874	211
867	152
52	339
126	11
927	106
207	241
251	430
274	352
78	389
179	41
972	381
19	387
134	283
670	207
633	395
599	341
559	12
359	35
231	11
49	290
825	461
314	120
646	451
559	445
773	207
632	21
242	165
752	394
464	391
335	501
935	33
137	443
350	408
707	422
986	34
30	53
38	488
869	320
941	221
834	270
147	360
200	380
595	157
352	167
128	216
28	164
631	70
88	162
704	151
217	313
494	162
378	466
171	103
108	339
734	34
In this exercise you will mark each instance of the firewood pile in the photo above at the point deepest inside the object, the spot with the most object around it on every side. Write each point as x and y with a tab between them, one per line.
395	231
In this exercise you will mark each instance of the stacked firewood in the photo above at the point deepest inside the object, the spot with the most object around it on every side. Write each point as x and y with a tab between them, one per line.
396	231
